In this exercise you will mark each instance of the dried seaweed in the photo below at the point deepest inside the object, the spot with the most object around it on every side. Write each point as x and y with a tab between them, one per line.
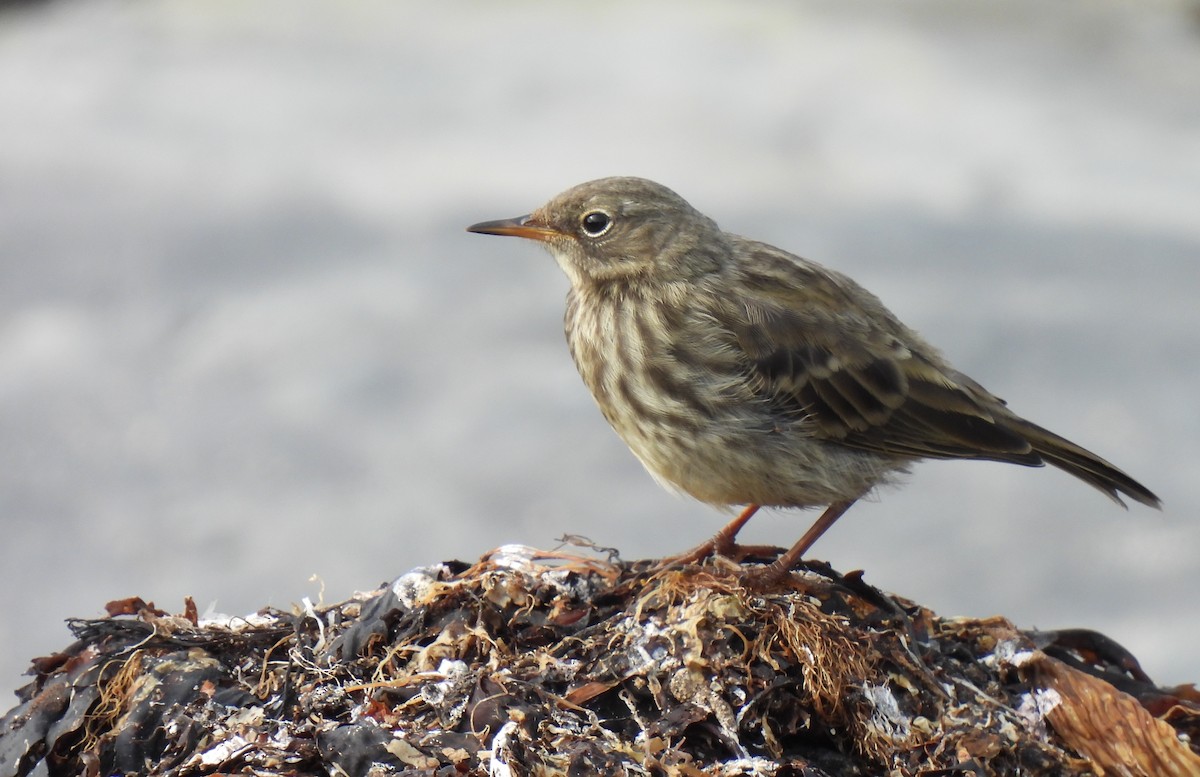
540	663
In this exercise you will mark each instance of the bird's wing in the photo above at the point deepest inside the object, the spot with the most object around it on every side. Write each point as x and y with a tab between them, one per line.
827	351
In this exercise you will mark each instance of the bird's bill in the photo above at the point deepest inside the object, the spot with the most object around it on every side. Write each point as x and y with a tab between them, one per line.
521	226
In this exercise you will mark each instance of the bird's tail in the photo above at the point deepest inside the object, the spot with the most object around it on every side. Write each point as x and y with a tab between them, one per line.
1085	465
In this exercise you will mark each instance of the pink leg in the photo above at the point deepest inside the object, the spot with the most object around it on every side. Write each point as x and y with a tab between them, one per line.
778	569
722	542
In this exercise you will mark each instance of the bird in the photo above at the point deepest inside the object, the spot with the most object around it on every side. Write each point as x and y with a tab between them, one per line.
744	375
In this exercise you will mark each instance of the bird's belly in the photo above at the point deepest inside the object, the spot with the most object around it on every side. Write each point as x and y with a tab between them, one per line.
735	457
737	462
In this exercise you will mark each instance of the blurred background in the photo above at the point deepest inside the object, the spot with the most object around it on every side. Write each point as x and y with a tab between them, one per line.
244	339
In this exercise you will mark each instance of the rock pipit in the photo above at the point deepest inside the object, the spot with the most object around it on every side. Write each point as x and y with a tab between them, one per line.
744	375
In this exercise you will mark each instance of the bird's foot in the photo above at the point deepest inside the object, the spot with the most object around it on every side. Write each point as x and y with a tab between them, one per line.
717	547
766	576
774	573
723	544
694	556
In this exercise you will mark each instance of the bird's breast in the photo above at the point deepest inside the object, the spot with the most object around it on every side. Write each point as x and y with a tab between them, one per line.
653	365
668	380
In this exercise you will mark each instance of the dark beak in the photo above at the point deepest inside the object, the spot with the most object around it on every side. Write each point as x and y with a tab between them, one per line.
522	226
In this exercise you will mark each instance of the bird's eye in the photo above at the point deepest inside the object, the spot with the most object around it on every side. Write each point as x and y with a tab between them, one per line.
596	223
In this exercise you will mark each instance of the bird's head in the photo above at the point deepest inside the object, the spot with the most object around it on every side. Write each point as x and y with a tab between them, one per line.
620	229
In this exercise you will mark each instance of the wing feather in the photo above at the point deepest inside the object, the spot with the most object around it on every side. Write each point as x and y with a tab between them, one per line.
826	350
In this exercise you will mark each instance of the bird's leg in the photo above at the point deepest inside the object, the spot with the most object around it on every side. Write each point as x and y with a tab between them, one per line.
722	543
778	569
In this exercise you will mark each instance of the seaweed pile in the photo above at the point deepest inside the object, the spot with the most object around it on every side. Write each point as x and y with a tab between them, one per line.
551	662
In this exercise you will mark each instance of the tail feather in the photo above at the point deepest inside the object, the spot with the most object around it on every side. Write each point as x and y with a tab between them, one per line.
1085	465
